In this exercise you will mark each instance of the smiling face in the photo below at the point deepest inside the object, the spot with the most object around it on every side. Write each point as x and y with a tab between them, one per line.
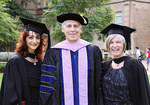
116	47
33	41
72	30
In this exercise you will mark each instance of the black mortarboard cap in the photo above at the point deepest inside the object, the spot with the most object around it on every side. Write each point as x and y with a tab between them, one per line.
37	27
119	29
72	16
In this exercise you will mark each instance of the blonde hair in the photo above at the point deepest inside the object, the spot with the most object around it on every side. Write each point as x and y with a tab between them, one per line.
110	37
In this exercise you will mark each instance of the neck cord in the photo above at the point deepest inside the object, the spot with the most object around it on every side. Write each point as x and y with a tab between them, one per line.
119	60
32	55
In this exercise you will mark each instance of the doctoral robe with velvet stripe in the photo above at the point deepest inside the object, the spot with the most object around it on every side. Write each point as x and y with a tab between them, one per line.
76	83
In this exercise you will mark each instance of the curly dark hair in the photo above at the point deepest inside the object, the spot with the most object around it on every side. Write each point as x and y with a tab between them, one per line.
22	48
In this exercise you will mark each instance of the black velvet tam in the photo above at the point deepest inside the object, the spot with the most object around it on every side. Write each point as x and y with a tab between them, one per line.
72	16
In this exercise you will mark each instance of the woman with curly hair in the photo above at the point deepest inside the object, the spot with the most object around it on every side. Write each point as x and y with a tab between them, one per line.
21	80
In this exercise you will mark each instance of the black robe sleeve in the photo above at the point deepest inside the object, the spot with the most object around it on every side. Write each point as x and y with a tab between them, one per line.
97	74
8	94
15	83
139	87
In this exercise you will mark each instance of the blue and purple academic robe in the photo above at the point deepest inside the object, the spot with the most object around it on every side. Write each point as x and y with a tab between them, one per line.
71	74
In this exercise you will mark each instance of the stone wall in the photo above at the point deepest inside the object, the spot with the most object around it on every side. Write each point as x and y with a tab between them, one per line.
141	15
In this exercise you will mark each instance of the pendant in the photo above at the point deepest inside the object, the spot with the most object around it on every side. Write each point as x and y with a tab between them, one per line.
117	65
34	63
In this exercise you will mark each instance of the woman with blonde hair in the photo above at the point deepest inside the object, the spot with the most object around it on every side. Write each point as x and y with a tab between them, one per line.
125	81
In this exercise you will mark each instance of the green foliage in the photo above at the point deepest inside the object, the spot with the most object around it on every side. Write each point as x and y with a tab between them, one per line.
2	67
142	54
7	45
99	16
7	24
4	56
4	59
10	24
1	76
105	59
8	28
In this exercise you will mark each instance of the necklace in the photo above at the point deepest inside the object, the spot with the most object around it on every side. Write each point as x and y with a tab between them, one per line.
117	65
34	61
33	57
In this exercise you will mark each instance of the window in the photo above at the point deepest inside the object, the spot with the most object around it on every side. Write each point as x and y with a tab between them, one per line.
119	18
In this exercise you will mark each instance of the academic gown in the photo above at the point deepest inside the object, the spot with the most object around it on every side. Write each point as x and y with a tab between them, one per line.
53	62
15	83
138	83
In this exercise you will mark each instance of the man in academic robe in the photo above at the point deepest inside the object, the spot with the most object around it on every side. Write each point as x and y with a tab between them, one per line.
71	69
